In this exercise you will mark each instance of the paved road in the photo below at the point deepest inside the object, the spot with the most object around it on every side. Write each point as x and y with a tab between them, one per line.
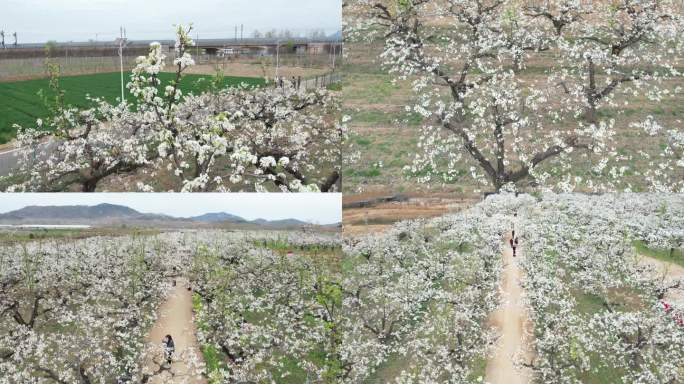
9	159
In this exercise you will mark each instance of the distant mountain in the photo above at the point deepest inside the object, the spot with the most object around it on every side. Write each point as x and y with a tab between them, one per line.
110	214
279	223
218	217
72	212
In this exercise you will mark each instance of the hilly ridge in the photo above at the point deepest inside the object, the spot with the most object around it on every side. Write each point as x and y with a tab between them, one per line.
105	214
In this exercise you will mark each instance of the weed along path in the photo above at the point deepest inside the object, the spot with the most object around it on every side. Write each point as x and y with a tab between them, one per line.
511	320
175	318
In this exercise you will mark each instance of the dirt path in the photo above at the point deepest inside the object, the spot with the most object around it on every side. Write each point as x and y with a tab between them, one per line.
670	271
511	320
176	319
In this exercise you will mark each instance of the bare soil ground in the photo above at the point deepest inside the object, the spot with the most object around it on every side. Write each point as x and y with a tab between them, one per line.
176	319
380	217
253	70
512	321
669	272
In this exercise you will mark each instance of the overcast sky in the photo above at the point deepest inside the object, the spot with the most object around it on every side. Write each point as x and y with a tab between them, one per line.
319	208
37	21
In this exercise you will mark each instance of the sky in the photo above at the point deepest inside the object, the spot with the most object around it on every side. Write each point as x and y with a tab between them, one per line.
317	208
38	21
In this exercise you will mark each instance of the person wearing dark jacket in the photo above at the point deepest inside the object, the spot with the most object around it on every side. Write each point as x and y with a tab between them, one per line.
169	348
514	245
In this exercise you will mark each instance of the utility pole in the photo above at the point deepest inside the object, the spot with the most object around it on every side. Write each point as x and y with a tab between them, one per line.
334	46
235	39
15	39
242	31
121	43
277	59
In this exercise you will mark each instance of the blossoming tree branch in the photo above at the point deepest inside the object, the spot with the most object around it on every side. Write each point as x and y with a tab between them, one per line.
469	64
240	138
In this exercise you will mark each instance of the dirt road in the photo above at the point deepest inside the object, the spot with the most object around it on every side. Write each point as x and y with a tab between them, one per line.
511	321
176	319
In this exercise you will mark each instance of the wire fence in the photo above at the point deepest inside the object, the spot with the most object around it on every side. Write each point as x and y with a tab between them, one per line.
34	67
288	60
319	81
30	68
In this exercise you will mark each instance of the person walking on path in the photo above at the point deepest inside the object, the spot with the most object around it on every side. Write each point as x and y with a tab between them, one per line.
514	242
515	246
169	348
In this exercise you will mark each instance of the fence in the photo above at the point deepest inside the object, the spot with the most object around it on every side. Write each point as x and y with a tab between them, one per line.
34	67
320	81
287	60
30	68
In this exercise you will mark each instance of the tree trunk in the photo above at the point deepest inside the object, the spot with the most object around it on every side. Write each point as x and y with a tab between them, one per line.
590	114
89	185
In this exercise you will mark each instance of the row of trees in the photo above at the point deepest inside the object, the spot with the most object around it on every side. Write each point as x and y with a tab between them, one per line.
79	311
524	92
417	299
410	305
313	34
270	317
596	307
276	138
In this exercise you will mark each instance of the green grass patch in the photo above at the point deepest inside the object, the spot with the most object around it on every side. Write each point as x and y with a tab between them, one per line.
589	303
362	141
335	87
20	103
601	374
675	256
212	358
478	370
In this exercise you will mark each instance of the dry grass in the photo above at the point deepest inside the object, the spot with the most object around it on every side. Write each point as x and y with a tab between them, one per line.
380	217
